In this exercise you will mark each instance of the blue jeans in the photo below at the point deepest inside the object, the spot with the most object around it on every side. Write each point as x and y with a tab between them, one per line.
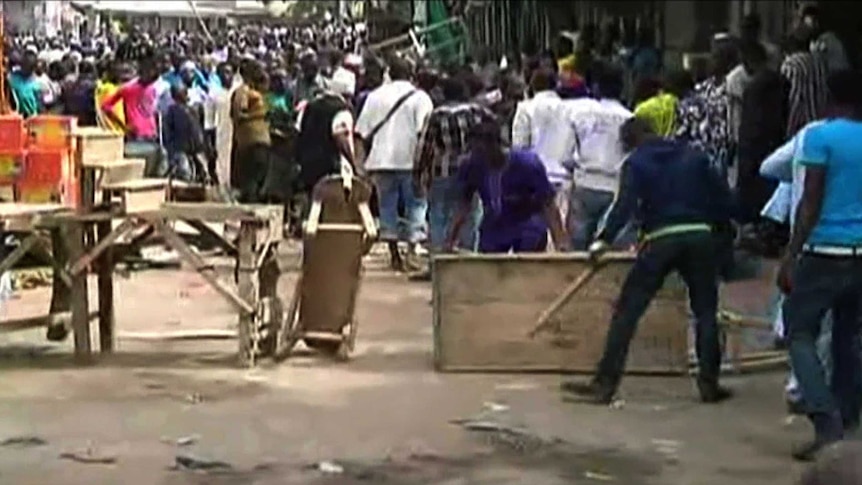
394	186
821	284
155	161
443	203
180	167
587	209
824	346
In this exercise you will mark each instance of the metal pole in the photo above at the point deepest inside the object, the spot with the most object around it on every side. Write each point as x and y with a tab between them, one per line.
200	20
4	103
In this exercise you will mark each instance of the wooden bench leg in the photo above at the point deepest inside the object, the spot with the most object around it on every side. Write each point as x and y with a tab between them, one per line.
60	291
106	291
248	286
79	297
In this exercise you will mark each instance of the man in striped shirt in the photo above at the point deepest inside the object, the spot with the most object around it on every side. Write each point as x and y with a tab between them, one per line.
806	76
442	145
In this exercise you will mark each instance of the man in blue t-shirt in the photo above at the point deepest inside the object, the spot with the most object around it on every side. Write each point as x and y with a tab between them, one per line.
822	269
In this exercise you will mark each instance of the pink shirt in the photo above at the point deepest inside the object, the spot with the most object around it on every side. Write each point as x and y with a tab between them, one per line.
139	102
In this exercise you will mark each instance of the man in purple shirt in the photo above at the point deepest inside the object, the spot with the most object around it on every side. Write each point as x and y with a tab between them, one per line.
518	201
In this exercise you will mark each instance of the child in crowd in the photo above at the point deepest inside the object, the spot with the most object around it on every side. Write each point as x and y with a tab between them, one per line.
183	138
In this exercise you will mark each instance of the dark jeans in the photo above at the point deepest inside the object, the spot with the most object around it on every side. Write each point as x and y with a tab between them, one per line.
249	166
821	283
693	255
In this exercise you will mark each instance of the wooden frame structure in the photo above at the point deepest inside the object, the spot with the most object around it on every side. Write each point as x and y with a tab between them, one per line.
549	313
257	270
23	219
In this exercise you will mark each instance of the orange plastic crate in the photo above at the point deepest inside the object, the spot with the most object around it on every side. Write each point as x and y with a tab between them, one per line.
11	166
50	131
13	135
46	166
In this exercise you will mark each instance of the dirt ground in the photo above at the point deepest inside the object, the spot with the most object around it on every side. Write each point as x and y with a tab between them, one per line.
160	411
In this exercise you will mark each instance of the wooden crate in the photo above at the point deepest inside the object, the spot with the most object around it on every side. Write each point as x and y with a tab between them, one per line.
486	305
142	195
121	171
94	146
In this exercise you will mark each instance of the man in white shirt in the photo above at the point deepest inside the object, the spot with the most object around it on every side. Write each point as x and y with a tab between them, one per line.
391	120
541	124
217	119
598	158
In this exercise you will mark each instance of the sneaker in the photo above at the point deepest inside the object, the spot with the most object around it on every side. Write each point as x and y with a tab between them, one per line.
713	393
421	276
828	429
590	393
796	407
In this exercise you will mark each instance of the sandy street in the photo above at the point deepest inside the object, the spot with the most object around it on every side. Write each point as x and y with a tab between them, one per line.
157	413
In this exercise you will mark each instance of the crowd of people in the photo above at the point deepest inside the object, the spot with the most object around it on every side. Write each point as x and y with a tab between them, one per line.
594	144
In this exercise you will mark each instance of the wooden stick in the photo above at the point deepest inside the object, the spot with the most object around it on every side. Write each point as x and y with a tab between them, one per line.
28	243
202	268
11	325
88	258
564	297
202	334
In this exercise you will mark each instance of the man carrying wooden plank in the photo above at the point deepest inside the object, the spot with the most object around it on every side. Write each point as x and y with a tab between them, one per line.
679	199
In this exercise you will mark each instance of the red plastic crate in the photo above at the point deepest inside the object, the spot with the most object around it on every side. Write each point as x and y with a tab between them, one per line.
11	166
46	167
13	135
51	131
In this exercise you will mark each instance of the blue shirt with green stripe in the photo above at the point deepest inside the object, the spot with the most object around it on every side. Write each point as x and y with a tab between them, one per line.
669	188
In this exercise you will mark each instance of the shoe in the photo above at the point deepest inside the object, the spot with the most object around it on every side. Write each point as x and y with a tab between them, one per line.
796	408
712	393
422	276
828	429
590	393
809	450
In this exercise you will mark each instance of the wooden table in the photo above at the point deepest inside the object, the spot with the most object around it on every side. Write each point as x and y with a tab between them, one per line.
24	219
260	229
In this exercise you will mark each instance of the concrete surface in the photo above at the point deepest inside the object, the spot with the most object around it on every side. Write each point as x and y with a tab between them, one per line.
384	417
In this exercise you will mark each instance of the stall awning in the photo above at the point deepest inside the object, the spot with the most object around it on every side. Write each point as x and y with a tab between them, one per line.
161	8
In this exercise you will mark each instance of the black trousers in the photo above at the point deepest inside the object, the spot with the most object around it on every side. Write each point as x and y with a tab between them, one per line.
249	166
693	256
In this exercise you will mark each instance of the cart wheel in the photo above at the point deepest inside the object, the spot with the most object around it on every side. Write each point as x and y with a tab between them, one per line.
351	335
268	318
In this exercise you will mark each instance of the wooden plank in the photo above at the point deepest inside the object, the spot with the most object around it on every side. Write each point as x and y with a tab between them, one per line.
106	289
11	325
121	172
220	212
485	306
206	271
103	243
79	297
179	335
143	201
19	252
20	216
248	285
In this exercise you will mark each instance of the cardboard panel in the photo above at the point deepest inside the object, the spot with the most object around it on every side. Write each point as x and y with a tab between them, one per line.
486	305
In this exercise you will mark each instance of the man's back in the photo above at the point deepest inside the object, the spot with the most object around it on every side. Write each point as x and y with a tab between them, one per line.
676	184
599	152
836	145
539	125
395	141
